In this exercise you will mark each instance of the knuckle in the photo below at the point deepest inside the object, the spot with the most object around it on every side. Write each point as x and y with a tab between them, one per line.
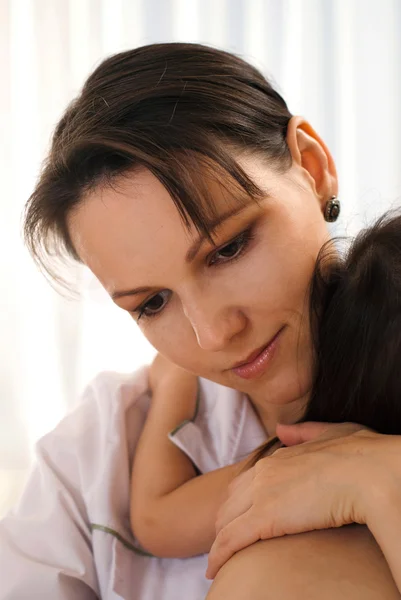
265	466
280	453
223	538
261	465
219	522
232	485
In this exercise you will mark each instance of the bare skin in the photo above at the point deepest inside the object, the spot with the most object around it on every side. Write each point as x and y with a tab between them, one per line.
334	564
210	313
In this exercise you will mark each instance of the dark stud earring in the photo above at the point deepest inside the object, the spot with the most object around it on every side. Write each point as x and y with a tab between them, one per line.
332	209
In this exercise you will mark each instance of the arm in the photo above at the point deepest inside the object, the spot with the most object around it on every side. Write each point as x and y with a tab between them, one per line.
331	564
347	474
384	521
173	511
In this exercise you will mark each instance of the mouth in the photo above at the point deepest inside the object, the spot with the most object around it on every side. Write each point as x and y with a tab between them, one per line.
256	363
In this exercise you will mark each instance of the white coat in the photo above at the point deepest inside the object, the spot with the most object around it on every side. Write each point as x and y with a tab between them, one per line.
69	537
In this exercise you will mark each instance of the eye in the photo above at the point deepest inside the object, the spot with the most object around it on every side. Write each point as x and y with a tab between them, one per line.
154	305
225	254
232	250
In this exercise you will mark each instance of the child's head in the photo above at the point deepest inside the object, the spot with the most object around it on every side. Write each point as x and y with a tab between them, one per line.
356	319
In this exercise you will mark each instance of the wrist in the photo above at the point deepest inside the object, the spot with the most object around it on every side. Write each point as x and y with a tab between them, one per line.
377	493
382	500
174	391
175	380
176	400
384	523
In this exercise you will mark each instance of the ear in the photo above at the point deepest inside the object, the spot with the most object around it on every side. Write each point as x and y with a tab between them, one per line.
311	154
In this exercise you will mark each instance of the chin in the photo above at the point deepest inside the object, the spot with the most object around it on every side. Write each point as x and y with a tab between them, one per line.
284	388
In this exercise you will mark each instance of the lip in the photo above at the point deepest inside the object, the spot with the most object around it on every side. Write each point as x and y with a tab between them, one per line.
257	362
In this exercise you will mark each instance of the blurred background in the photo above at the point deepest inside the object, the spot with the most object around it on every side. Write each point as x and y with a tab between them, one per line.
337	63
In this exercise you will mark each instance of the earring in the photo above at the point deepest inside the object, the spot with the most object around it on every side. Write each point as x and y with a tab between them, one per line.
332	209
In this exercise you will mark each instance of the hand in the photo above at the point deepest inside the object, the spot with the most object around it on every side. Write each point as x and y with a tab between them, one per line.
163	372
173	389
317	482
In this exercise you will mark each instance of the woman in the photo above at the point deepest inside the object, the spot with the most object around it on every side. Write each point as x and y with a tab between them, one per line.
182	181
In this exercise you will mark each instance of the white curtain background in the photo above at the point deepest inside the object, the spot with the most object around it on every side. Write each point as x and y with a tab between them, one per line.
337	62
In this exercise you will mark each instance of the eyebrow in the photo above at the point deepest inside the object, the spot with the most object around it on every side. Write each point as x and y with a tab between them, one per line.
192	251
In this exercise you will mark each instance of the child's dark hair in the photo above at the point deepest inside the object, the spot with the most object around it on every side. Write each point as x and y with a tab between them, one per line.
355	315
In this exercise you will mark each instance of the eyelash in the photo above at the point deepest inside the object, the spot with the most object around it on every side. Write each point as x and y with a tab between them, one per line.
243	238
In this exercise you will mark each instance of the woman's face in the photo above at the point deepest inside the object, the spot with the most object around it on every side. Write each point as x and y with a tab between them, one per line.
210	309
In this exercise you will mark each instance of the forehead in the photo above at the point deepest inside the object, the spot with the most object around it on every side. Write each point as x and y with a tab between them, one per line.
114	223
133	226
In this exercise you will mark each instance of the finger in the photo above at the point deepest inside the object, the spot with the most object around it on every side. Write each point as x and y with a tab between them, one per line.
300	433
237	535
238	503
241	480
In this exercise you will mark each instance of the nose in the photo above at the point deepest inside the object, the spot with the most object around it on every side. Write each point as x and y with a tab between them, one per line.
214	325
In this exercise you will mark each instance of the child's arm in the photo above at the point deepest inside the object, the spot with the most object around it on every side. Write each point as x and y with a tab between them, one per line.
173	511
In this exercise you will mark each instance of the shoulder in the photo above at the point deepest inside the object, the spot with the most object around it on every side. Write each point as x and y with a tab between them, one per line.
107	398
330	563
93	437
60	538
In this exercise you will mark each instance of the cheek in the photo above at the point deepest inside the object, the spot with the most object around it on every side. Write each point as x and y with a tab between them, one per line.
276	279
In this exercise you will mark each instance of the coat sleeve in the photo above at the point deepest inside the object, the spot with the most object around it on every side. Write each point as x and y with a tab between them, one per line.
45	542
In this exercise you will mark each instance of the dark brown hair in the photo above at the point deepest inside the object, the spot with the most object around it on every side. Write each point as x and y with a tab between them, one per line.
355	315
173	108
